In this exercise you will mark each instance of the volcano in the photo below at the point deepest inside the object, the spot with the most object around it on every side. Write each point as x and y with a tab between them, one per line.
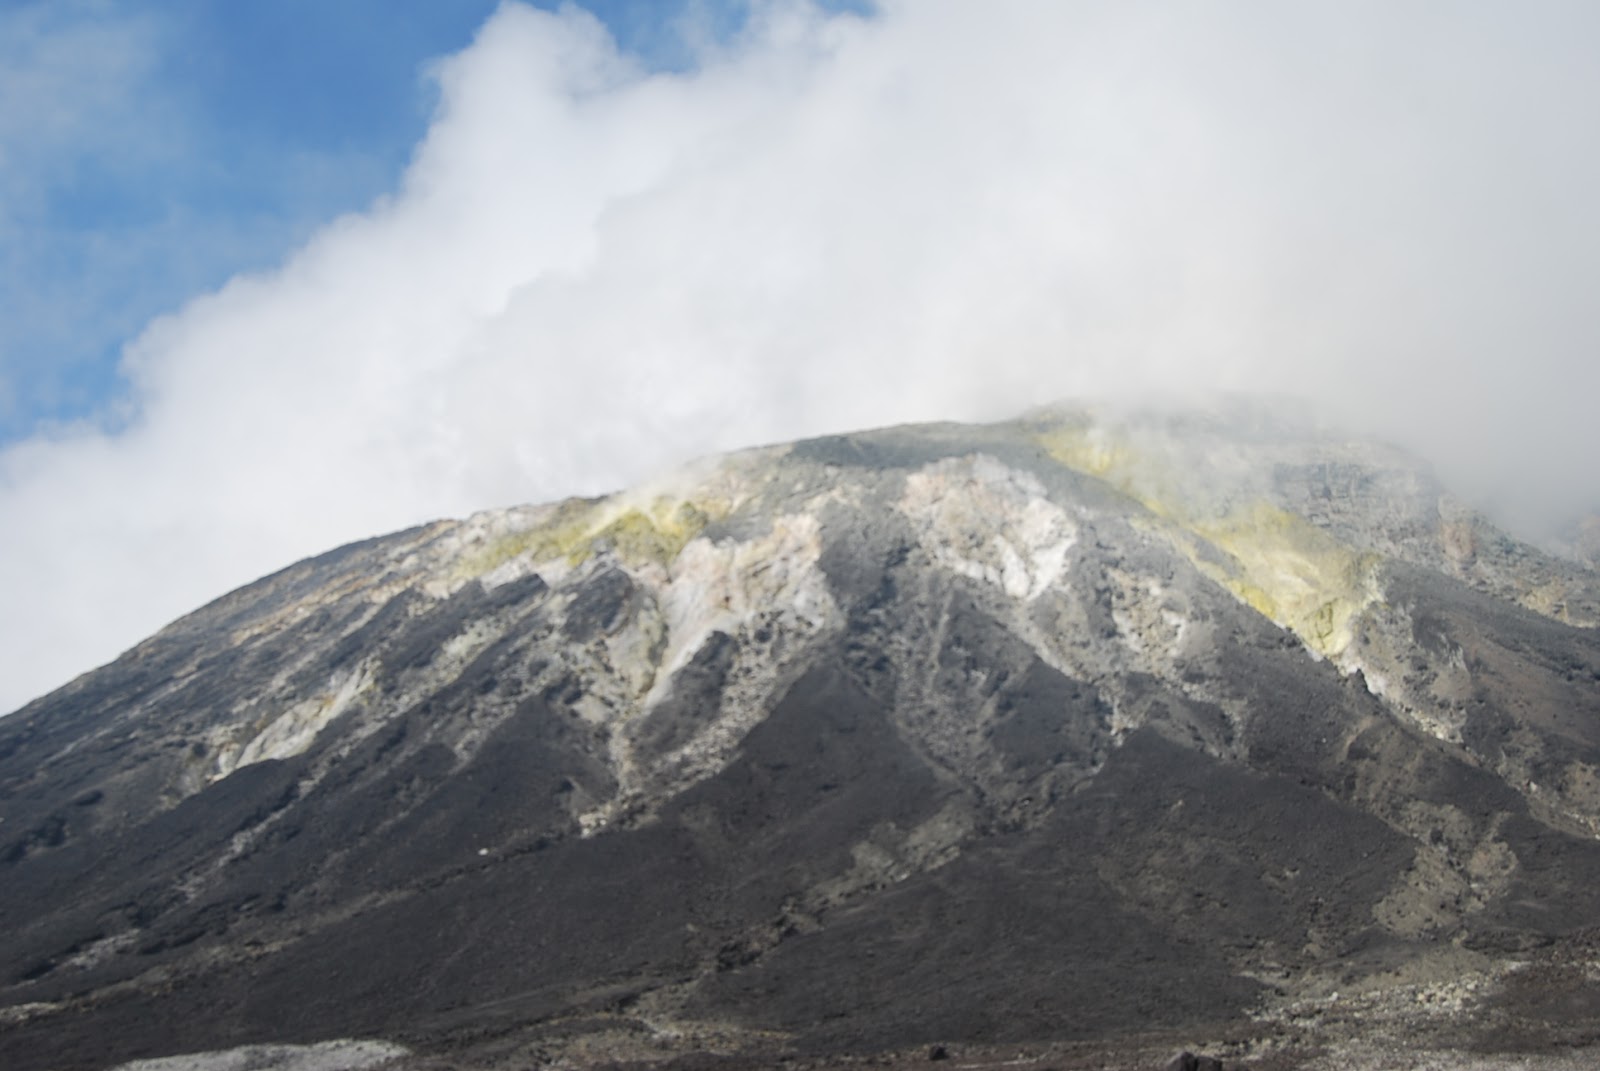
1072	740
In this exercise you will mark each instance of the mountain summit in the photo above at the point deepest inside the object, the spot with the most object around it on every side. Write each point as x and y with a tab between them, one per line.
1104	734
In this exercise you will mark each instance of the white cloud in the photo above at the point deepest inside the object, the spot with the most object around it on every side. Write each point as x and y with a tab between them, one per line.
949	210
120	196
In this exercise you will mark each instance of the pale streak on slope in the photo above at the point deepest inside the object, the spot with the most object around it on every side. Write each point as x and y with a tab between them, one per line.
339	1055
981	519
988	522
1298	576
768	586
293	731
765	590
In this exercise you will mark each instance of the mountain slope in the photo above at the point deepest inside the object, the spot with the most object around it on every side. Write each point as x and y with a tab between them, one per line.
1074	728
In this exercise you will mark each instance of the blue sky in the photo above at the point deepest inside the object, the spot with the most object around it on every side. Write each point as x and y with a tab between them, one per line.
152	149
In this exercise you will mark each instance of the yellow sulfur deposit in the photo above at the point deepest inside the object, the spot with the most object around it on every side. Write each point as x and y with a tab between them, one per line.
656	535
1290	571
1274	561
1098	452
580	528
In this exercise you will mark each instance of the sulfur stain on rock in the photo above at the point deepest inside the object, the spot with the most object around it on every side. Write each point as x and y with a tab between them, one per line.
654	532
1292	572
1274	561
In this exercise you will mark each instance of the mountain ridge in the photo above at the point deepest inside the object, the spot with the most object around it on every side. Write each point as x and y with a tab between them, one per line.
780	753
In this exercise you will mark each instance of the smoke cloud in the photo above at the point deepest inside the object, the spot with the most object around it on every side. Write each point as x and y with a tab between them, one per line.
945	210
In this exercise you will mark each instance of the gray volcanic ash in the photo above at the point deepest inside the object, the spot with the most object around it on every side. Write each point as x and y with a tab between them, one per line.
1107	733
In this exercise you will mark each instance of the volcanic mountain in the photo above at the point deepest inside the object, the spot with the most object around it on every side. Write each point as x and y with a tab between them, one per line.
1082	737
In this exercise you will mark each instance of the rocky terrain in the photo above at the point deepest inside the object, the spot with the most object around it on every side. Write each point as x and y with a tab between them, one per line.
1070	741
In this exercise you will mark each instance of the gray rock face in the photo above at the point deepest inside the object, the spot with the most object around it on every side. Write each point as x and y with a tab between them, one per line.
1071	729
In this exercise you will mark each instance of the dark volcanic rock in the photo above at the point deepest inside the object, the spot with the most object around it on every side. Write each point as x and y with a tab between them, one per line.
984	736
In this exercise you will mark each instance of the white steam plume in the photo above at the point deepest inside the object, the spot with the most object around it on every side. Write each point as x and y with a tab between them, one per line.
946	210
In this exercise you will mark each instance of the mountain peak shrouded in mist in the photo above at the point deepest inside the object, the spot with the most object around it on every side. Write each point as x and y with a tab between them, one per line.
591	269
1086	736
